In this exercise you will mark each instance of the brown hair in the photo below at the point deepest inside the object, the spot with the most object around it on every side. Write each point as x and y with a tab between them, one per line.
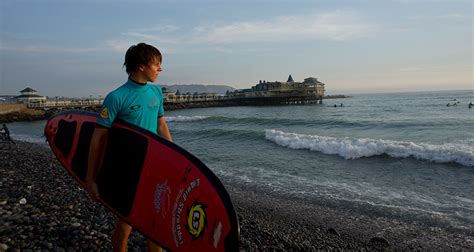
140	54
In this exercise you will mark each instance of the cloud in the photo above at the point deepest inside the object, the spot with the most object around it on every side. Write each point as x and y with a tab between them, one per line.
453	16
336	25
224	50
121	45
447	16
48	49
160	28
422	68
151	37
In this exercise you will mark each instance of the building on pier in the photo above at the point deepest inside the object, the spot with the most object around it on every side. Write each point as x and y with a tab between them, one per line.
29	95
281	93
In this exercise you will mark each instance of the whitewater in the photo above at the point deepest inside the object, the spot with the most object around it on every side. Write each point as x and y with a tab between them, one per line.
353	148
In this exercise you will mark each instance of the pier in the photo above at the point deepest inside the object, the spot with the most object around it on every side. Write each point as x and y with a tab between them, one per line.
187	102
264	93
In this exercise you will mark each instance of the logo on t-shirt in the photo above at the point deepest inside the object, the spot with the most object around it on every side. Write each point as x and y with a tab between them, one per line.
104	114
153	102
135	107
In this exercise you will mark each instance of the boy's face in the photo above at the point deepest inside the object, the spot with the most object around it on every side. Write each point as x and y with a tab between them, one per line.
152	70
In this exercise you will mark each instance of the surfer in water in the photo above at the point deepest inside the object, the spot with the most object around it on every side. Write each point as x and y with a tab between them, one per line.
142	64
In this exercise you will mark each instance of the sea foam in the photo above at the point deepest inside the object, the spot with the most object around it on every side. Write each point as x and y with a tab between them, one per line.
29	138
185	118
353	148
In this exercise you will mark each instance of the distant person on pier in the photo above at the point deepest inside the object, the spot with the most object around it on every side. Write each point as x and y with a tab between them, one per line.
138	102
470	105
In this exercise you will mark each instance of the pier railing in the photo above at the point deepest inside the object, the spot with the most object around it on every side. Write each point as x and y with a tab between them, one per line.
178	100
60	104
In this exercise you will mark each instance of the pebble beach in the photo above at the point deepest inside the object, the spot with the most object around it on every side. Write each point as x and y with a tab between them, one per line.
42	208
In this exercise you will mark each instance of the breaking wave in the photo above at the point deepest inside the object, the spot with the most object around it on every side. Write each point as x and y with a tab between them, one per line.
354	148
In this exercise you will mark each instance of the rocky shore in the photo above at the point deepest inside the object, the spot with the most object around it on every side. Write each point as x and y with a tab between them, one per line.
43	208
35	115
23	116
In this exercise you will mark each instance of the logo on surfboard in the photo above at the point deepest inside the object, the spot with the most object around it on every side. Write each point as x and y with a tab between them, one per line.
197	220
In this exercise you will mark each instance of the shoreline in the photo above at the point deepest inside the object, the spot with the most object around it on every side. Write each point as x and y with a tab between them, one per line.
58	215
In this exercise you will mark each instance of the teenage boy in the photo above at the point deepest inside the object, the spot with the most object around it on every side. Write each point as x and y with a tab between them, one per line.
143	64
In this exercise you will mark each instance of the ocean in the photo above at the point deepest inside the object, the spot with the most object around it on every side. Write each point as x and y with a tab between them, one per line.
402	156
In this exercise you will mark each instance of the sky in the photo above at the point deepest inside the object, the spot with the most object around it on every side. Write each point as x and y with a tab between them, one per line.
76	48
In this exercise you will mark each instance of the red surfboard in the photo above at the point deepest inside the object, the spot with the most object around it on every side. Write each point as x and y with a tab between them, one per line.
154	185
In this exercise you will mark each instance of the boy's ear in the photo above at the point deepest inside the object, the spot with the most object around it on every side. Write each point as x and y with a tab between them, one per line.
141	68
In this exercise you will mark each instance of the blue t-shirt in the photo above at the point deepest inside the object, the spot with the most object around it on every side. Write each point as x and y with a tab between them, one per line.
138	104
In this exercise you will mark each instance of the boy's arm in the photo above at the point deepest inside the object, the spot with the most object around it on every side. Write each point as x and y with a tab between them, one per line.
96	152
163	129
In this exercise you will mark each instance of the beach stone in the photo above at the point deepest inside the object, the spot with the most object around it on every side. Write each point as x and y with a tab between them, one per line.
102	235
4	228
333	231
3	247
379	240
296	247
48	245
76	224
59	249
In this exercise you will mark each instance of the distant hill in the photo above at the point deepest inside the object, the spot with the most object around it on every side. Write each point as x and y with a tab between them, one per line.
192	88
